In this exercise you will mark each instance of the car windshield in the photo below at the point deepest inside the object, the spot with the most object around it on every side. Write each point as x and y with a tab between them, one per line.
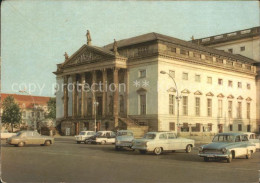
124	134
99	134
149	136
224	138
82	133
19	133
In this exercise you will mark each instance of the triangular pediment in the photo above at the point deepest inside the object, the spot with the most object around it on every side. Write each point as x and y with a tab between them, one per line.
230	97
248	99
220	95
89	54
240	98
198	92
171	89
185	91
210	94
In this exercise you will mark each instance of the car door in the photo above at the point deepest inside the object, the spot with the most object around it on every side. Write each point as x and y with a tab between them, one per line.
239	146
163	141
173	142
37	138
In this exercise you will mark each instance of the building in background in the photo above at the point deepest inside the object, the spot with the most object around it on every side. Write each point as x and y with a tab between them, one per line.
32	108
216	90
243	42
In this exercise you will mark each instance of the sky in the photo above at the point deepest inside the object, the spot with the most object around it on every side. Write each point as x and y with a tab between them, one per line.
35	34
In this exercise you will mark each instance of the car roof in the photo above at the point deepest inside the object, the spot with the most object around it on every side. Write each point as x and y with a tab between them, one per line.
87	131
230	133
248	133
160	132
125	131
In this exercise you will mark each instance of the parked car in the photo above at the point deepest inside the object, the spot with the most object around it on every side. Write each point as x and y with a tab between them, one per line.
84	136
5	134
29	137
124	138
103	137
227	146
254	139
158	142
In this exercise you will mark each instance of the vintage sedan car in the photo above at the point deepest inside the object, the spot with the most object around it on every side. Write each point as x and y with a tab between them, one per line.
103	137
227	146
84	136
124	138
158	142
6	134
254	139
29	137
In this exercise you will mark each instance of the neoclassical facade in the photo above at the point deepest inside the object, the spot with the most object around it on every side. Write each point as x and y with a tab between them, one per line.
215	91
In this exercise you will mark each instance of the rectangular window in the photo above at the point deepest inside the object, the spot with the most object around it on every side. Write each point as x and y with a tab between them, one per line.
220	107
230	50
185	105
239	127
143	104
209	127
248	128
242	48
209	105
197	106
172	126
220	81
231	128
171	104
239	110
248	86
196	128
197	78
239	84
230	107
142	73
230	83
185	76
172	73
209	80
248	110
185	127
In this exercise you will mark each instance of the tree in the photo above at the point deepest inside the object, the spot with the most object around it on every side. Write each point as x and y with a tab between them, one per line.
51	109
11	112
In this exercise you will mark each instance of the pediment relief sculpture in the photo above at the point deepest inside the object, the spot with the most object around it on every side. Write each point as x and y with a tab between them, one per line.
171	89
210	94
240	98
220	95
87	56
198	92
185	91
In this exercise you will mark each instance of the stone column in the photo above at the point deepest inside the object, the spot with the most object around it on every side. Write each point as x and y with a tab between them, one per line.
115	77
104	92
74	97
65	96
83	81
93	87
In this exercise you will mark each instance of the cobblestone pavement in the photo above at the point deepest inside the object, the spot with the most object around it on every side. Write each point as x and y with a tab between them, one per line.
66	161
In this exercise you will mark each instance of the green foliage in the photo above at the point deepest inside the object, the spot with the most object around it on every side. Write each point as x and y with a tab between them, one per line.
51	108
11	111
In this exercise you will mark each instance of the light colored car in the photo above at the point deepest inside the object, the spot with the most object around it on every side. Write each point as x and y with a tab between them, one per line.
227	146
103	137
124	138
84	136
6	134
254	139
158	142
29	137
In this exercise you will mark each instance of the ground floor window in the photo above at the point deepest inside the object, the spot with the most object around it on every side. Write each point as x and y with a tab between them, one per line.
209	127
185	127
248	128
239	127
196	128
231	128
172	126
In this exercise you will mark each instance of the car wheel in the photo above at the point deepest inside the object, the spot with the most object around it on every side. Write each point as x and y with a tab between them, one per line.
158	150
78	142
188	148
103	142
206	159
229	159
47	143
142	151
249	155
20	144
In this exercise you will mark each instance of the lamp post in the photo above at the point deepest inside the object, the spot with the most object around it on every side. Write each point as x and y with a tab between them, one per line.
178	98
34	121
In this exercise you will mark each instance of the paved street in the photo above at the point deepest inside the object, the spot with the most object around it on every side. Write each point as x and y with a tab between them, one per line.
66	161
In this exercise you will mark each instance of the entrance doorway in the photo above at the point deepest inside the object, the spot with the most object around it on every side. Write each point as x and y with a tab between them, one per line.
100	104
98	126
220	128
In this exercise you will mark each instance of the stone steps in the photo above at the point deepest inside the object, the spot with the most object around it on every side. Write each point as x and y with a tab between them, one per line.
138	131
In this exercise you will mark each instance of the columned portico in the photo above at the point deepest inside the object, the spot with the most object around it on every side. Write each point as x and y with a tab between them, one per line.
104	92
65	96
93	87
115	78
83	81
74	97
